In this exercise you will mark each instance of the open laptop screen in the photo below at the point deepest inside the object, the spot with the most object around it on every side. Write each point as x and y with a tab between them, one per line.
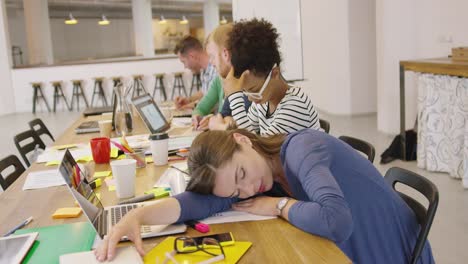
81	191
150	113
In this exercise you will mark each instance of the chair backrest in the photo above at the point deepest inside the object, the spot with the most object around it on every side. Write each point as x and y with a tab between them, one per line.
7	180
40	128
325	125
360	145
424	216
24	149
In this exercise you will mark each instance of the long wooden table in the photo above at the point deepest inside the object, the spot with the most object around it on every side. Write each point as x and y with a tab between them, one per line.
274	241
444	66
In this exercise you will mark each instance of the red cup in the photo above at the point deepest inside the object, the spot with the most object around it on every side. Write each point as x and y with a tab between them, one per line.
100	147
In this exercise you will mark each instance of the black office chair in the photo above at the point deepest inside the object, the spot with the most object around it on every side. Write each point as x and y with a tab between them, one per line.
424	217
360	145
32	140
325	125
7	180
40	128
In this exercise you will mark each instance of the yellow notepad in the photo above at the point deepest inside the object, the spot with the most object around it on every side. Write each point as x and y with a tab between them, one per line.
67	212
62	147
99	174
232	253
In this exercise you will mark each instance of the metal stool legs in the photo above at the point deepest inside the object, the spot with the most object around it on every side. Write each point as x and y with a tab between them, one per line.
37	95
138	87
58	94
179	85
196	82
77	93
98	90
159	85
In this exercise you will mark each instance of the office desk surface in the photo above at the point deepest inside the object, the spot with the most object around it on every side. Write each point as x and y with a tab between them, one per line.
445	66
274	241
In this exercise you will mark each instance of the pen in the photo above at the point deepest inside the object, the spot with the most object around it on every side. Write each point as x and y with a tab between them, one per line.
174	167
199	226
24	223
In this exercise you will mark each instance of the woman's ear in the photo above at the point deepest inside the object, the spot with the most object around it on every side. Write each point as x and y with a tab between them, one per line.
241	139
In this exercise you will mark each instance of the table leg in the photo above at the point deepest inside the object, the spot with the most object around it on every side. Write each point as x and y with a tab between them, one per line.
402	112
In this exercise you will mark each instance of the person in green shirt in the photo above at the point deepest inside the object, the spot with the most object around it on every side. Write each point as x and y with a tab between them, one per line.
221	59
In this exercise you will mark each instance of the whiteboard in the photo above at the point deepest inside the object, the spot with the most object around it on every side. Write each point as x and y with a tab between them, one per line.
286	18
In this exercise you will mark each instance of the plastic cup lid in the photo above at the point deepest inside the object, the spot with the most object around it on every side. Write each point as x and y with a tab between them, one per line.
158	136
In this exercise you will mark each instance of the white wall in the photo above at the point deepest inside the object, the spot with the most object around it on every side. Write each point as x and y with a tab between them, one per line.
411	30
326	54
7	97
363	64
287	20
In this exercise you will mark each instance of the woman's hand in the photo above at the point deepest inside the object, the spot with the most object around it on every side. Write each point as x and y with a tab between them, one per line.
217	123
180	102
231	84
129	226
262	205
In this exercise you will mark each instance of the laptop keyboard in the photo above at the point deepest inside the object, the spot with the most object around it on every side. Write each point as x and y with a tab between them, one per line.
118	212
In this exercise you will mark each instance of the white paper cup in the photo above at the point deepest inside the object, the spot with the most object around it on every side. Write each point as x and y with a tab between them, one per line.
105	128
124	172
159	148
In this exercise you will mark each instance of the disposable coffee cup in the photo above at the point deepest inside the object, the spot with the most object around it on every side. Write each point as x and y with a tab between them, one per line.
105	128
124	172
159	148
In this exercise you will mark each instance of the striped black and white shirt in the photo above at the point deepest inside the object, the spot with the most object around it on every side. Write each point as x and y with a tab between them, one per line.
294	112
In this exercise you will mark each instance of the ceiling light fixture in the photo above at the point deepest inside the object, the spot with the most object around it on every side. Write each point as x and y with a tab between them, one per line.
71	20
184	20
162	20
223	20
104	21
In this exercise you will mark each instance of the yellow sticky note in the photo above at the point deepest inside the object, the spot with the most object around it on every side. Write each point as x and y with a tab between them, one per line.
69	146
111	188
121	157
114	153
149	159
53	163
85	159
100	174
67	212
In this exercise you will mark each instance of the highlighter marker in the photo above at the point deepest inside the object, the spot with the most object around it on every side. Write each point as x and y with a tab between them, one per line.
199	226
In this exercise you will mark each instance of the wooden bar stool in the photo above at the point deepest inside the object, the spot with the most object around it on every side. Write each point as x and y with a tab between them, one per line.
38	95
99	91
178	84
58	94
196	82
116	80
159	85
138	86
77	93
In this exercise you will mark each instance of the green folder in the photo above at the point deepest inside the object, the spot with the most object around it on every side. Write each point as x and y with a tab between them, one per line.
54	241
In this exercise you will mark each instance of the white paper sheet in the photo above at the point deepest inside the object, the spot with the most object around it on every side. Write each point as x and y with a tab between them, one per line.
234	216
43	179
51	154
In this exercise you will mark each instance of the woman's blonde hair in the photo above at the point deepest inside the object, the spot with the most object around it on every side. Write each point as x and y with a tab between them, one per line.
212	149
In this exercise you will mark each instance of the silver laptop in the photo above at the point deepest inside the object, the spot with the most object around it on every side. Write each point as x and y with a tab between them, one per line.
103	218
93	126
153	118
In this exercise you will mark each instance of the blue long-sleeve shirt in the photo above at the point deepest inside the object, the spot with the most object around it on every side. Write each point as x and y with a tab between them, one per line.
340	196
